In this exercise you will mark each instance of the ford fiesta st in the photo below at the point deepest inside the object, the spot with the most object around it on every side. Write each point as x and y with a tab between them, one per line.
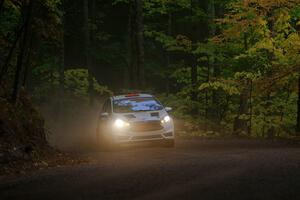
134	118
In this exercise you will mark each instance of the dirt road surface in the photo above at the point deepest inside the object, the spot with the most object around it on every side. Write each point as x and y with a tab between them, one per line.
194	169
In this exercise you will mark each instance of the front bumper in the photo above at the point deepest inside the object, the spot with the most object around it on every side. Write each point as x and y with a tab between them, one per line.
127	137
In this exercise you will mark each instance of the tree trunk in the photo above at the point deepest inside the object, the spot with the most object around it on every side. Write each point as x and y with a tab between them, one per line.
250	108
16	85
27	63
140	43
92	33
240	125
61	70
206	91
168	54
5	66
298	108
214	69
212	15
193	60
132	66
136	69
128	70
87	52
298	103
194	79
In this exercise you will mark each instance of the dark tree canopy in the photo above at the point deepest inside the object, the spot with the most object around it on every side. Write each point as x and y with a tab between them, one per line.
226	67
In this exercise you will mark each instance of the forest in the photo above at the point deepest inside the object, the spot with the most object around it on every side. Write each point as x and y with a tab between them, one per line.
226	67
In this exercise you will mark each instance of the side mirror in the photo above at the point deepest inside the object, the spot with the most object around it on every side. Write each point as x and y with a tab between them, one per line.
168	109
104	115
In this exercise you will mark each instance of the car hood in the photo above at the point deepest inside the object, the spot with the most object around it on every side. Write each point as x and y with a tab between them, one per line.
142	116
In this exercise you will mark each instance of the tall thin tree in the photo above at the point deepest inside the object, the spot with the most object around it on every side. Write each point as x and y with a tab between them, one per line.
214	69
298	102
27	62
87	51
168	54
191	57
26	13
62	60
140	42
136	69
9	56
298	107
240	123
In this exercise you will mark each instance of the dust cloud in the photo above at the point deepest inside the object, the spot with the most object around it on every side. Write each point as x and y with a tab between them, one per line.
72	131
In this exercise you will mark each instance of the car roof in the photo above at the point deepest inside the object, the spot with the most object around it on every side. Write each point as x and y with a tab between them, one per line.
118	97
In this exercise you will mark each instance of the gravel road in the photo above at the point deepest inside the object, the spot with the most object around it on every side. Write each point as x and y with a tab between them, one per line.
194	169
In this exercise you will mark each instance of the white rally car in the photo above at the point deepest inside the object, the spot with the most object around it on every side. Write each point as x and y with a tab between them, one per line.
134	118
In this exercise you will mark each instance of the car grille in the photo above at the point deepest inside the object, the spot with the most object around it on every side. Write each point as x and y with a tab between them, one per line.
146	137
145	126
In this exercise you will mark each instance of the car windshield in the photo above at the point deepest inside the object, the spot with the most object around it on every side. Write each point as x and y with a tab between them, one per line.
136	104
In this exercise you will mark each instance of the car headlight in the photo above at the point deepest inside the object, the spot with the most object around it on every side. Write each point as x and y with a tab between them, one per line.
166	119
119	123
